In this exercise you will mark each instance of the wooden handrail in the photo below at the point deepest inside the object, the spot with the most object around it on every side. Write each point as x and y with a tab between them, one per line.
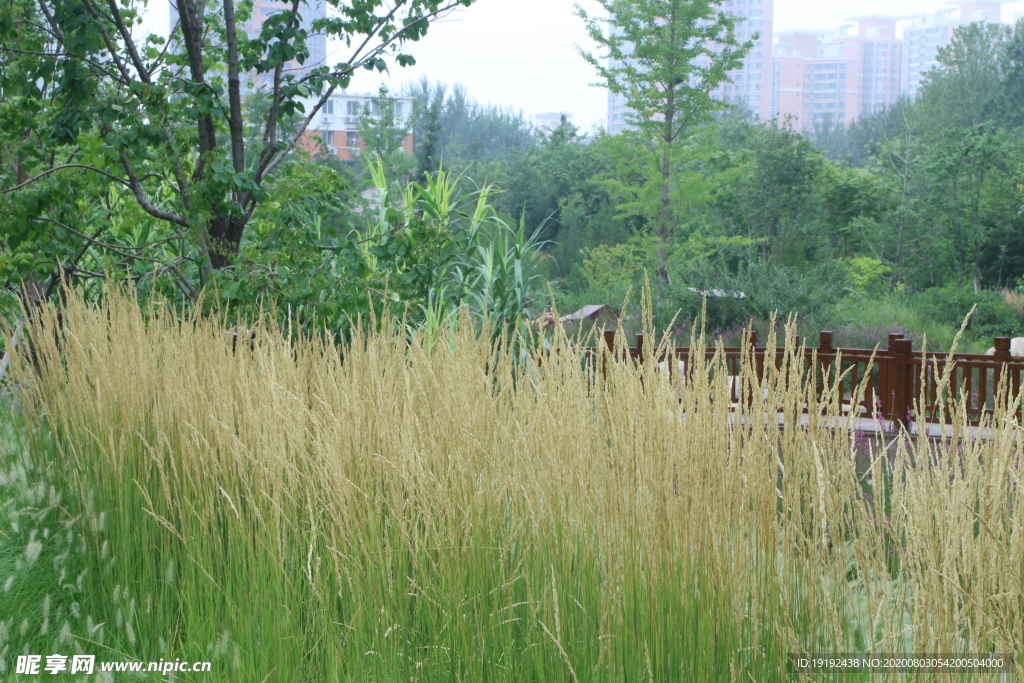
902	382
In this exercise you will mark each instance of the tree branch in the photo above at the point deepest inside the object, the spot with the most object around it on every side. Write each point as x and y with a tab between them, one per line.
270	132
192	35
129	43
274	161
96	242
108	41
49	19
234	96
167	44
140	196
60	168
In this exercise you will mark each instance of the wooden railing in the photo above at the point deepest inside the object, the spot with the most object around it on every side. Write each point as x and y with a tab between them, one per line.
894	378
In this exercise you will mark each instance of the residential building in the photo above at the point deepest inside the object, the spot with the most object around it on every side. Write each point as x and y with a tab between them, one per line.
882	62
618	111
822	80
336	124
751	85
928	32
309	11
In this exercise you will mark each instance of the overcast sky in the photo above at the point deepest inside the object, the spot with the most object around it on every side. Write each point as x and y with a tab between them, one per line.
522	53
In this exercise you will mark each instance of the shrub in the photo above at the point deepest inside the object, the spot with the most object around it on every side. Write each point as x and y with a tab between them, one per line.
949	305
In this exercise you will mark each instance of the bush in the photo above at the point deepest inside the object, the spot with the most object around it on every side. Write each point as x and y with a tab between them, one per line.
782	290
766	290
948	305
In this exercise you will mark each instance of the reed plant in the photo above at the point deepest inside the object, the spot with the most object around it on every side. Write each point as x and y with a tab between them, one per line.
395	510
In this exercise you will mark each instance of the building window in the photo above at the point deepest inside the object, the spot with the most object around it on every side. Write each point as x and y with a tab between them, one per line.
353	108
352	139
329	107
328	137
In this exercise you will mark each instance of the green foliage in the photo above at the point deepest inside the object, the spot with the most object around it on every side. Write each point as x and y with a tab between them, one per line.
853	203
775	191
785	290
665	58
98	123
611	270
964	90
950	306
866	275
452	130
420	251
542	176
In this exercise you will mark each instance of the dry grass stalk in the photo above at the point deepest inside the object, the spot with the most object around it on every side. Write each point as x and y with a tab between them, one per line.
382	472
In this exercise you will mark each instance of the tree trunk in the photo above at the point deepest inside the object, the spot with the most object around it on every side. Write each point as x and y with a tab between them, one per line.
664	220
225	237
665	226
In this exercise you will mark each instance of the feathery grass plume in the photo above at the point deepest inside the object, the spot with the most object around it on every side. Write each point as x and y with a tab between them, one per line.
459	510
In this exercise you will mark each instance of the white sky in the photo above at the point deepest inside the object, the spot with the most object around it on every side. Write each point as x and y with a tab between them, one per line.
522	53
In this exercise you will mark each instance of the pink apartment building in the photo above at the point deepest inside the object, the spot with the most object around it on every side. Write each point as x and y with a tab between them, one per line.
823	79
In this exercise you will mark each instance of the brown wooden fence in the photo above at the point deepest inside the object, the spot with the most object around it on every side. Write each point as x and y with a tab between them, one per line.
894	378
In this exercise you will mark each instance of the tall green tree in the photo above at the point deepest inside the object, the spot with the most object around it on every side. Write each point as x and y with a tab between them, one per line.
964	88
427	130
773	195
89	109
666	57
540	177
454	130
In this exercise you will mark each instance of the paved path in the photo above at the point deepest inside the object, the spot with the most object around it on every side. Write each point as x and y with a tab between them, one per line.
871	425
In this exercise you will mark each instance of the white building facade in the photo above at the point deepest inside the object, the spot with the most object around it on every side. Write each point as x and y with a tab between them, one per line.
337	122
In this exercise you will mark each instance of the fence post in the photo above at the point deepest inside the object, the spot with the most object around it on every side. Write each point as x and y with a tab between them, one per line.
1002	355
901	381
640	348
824	348
887	377
1002	345
609	341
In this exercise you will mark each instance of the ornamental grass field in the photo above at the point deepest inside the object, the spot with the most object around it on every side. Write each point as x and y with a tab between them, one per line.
451	511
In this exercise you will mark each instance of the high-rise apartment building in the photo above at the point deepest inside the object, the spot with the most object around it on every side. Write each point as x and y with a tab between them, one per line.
882	60
309	11
618	111
751	84
928	32
823	79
